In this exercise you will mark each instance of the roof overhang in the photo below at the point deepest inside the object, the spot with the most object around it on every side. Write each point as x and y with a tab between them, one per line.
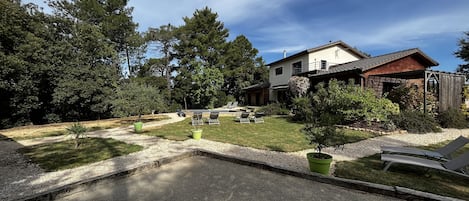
279	87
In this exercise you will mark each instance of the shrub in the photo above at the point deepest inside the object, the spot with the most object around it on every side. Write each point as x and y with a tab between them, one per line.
452	118
351	103
274	109
302	109
52	118
174	107
77	130
416	122
464	108
410	98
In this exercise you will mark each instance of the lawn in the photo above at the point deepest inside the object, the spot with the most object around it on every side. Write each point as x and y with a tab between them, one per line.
277	133
38	131
370	169
63	155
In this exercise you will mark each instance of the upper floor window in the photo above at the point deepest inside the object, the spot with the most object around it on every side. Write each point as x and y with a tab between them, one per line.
279	71
323	64
297	68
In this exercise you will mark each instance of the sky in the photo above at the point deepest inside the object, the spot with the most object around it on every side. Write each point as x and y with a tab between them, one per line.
372	26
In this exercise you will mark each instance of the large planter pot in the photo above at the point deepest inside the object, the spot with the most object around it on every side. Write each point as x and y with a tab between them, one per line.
138	127
196	134
319	162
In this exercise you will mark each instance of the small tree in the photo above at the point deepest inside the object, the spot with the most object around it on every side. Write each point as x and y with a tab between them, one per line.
323	133
135	99
77	130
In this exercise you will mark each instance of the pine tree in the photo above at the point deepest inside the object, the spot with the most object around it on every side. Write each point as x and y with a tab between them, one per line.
463	53
202	45
243	67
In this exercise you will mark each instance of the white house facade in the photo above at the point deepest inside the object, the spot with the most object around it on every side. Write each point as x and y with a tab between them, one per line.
314	59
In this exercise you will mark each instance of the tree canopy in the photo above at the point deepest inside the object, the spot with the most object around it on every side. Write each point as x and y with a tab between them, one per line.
463	53
86	58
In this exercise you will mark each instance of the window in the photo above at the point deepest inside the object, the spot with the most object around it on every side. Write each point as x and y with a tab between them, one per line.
279	71
297	68
323	64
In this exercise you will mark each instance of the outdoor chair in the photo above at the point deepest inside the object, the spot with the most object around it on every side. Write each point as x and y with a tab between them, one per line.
244	118
258	117
443	153
213	118
180	113
455	166
197	119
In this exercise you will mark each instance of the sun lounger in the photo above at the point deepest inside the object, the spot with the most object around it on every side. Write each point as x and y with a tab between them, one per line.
197	119
258	117
244	118
443	153
213	118
455	166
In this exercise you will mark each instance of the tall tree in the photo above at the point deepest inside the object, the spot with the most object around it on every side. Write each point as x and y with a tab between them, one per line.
202	45
114	20
243	67
84	89
164	38
202	39
24	54
463	53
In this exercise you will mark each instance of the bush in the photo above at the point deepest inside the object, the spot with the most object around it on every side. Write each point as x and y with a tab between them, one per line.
52	118
302	109
274	109
77	130
452	118
351	103
416	122
410	98
174	107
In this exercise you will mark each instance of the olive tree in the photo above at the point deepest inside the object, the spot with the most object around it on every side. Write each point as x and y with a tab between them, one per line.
136	99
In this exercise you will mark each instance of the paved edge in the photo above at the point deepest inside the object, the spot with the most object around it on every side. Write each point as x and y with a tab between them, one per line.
392	191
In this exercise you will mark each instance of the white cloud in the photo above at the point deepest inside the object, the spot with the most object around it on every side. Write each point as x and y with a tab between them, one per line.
150	13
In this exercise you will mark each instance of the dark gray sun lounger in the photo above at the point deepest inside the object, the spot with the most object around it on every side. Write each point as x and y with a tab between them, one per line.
213	118
443	153
455	166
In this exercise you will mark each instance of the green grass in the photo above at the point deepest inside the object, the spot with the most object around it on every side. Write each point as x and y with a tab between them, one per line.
277	134
370	169
63	155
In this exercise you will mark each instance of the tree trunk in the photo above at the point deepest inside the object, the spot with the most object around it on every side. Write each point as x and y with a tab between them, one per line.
128	59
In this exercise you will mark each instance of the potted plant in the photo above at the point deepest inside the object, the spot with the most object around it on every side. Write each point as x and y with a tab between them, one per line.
196	121
196	133
322	136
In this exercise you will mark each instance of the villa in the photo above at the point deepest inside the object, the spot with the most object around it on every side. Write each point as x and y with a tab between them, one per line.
338	60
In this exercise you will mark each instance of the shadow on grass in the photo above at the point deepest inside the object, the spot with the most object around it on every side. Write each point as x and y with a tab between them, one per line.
423	179
275	148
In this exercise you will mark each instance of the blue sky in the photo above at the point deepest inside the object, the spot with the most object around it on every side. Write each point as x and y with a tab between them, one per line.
373	26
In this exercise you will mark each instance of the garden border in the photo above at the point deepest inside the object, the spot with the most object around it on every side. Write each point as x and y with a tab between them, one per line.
392	191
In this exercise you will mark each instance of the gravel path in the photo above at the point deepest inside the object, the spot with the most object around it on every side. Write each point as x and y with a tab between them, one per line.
20	178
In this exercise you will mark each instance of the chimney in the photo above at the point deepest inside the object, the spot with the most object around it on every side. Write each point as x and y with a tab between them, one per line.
284	54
